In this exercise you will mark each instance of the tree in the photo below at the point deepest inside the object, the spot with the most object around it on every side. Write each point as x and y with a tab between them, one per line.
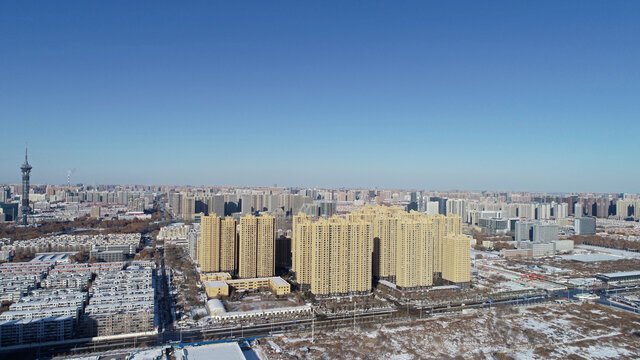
308	295
80	256
23	256
144	254
479	247
502	245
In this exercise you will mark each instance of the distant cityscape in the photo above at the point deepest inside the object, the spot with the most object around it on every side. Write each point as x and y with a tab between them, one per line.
165	264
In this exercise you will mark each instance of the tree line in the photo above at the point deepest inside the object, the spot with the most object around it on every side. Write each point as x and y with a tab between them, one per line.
92	226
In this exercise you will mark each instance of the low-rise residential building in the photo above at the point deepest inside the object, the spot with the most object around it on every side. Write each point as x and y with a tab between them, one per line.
121	302
216	289
74	243
26	331
516	253
217	284
106	255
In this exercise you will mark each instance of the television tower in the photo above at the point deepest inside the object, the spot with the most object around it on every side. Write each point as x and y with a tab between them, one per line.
69	172
26	170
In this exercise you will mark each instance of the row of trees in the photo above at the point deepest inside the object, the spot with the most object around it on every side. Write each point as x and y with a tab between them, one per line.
186	277
496	246
8	230
92	225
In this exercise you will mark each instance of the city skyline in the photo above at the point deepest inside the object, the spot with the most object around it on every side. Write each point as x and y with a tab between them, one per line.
79	184
482	97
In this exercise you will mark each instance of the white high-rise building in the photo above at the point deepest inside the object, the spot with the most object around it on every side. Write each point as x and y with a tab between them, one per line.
577	210
456	206
561	211
432	208
544	211
585	225
545	232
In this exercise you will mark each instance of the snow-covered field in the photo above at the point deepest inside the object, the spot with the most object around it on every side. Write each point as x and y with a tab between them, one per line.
511	286
580	331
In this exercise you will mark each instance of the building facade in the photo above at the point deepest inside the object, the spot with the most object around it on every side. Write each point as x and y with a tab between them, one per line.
456	267
217	245
256	246
585	226
335	256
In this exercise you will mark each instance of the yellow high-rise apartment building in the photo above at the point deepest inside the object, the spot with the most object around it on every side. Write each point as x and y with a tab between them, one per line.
217	245
301	241
415	251
413	255
209	244
256	246
228	240
340	257
456	266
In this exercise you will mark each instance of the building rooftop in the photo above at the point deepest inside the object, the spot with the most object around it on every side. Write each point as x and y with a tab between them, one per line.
227	351
51	257
590	257
266	311
279	281
26	321
215	284
621	274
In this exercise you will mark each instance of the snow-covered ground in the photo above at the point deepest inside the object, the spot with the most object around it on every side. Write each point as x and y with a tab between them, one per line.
511	286
541	332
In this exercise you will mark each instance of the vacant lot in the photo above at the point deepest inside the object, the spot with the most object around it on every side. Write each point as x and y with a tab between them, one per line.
583	269
575	331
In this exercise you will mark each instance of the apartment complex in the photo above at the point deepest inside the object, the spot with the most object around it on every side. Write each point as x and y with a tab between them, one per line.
341	255
408	247
122	301
628	208
50	301
37	315
75	243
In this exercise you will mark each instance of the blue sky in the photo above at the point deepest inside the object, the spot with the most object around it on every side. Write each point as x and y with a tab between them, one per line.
511	95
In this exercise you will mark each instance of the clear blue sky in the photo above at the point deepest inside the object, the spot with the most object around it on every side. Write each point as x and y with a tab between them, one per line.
514	95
